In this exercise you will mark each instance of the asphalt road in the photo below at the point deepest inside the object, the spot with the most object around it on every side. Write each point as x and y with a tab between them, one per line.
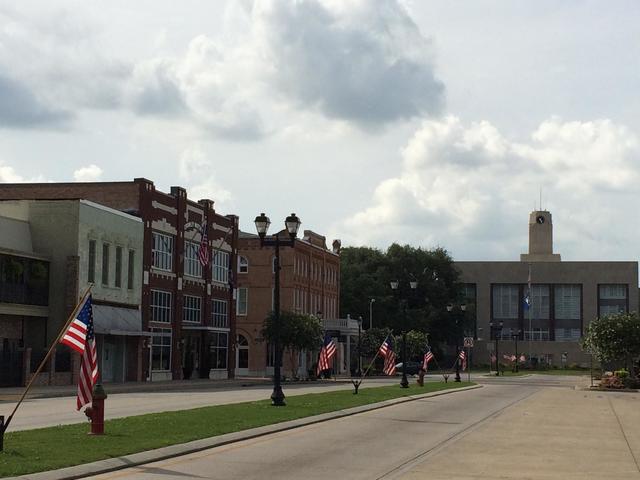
374	445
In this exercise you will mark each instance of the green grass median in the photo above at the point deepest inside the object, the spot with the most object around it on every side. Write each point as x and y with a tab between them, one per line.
51	448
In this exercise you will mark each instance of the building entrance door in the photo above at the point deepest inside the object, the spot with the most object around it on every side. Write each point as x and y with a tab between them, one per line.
10	363
242	356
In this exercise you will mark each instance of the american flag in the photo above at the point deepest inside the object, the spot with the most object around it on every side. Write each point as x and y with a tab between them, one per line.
463	357
523	358
80	337
427	358
386	350
510	358
203	252
327	352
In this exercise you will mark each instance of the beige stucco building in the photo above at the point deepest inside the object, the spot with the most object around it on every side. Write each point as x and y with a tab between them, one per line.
87	244
563	297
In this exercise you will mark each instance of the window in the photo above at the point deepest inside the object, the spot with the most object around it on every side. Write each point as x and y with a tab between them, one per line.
537	333
505	301
105	264
91	270
242	301
273	264
191	309
192	265
271	355
160	306
118	267
161	349
219	312
162	251
218	350
540	301
243	264
131	269
220	266
612	299
567	309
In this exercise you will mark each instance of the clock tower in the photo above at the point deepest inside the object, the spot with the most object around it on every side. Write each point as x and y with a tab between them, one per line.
540	239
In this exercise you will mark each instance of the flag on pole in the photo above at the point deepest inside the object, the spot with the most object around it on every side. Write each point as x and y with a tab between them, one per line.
81	338
386	351
463	357
527	295
427	358
203	251
327	352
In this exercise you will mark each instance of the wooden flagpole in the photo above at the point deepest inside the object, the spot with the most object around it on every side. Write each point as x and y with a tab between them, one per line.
73	315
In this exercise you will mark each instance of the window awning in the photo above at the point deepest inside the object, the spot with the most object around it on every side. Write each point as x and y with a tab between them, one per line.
108	320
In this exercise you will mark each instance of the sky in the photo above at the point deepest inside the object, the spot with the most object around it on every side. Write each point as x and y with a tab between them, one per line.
430	123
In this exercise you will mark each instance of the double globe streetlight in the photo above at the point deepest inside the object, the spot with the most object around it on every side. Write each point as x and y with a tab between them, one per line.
292	224
463	308
404	383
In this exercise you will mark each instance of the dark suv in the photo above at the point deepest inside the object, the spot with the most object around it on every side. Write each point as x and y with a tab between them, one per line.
412	368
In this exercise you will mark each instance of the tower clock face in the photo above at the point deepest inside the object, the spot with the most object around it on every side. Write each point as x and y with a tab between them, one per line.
540	219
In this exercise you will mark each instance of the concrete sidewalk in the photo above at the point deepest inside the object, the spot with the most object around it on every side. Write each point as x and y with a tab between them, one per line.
555	434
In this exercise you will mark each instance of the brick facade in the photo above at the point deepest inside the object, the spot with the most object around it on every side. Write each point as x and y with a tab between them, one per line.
309	283
179	218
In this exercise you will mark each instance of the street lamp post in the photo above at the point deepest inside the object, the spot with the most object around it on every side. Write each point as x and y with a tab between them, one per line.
515	337
463	308
495	329
371	312
292	223
359	372
404	383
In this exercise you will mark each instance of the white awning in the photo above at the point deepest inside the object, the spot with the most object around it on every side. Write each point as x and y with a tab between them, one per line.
108	320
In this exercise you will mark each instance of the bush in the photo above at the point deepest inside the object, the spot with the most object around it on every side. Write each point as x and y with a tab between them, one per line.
611	381
622	373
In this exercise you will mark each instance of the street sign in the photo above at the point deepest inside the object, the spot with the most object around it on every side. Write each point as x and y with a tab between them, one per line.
468	342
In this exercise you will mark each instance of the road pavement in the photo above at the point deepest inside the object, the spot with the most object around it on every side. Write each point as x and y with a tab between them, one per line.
372	445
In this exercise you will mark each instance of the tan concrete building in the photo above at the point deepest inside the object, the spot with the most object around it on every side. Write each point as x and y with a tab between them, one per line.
87	244
563	297
309	283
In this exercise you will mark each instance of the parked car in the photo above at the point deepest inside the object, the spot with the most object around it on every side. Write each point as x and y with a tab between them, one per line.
412	368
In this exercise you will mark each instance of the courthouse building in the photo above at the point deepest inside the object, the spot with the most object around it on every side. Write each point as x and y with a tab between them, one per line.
187	310
564	298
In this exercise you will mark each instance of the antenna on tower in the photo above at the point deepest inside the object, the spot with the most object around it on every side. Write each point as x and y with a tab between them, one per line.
540	198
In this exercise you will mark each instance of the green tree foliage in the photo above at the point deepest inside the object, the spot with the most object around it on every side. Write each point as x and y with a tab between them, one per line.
614	338
367	272
372	339
297	332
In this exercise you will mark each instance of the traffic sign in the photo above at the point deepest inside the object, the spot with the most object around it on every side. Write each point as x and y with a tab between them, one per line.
468	342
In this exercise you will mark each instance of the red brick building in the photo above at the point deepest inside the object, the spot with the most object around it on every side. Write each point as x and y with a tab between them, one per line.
309	283
188	309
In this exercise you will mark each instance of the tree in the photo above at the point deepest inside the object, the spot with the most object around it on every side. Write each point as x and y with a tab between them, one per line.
366	273
615	338
298	332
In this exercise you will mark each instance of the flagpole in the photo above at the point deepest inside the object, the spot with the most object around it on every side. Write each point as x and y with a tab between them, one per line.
371	364
73	315
530	308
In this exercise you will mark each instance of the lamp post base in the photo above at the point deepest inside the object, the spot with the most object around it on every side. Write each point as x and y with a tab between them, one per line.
404	383
277	397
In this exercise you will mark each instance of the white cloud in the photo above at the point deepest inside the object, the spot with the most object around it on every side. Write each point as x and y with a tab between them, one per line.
90	173
466	187
351	61
9	175
198	173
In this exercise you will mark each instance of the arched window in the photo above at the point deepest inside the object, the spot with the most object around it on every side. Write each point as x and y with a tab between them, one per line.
243	264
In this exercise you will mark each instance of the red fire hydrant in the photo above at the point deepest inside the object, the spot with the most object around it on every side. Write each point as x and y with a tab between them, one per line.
95	412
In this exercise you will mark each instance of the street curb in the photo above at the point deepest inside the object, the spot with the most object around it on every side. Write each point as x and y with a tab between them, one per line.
164	453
